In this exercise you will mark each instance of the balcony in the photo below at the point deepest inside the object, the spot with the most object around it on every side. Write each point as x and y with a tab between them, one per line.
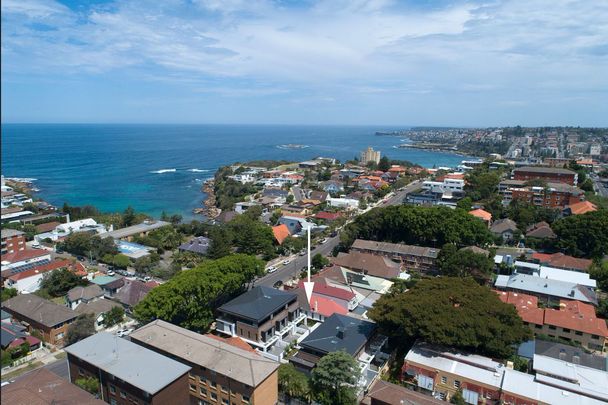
226	327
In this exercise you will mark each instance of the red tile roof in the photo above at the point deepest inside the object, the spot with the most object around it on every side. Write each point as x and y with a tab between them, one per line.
330	216
563	261
34	271
582	207
576	315
281	232
24	255
526	305
322	288
479	213
234	341
29	339
326	306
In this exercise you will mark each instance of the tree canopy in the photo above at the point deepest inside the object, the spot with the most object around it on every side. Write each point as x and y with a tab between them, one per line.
57	283
454	312
293	383
81	328
464	263
190	297
426	226
583	235
334	379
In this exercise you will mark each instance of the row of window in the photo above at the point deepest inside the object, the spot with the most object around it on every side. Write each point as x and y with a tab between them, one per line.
212	385
213	396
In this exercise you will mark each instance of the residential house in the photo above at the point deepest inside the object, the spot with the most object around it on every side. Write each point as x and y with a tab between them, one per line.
280	232
42	316
12	332
28	280
357	282
296	225
343	297
505	228
328	216
83	295
318	195
129	232
12	241
540	230
127	372
550	292
569	354
319	307
412	257
549	174
220	372
333	187
63	230
551	195
579	208
563	261
198	245
242	207
386	393
346	203
574	321
42	387
47	227
261	316
22	260
109	284
275	193
368	263
554	273
98	309
357	337
484	215
131	294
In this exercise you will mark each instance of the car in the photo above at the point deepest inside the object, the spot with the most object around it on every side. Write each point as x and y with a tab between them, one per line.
333	234
278	284
58	251
323	241
302	253
147	278
271	269
36	245
286	262
123	332
110	273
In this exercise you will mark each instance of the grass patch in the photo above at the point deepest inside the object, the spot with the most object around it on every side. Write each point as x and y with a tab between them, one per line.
60	356
58	300
17	373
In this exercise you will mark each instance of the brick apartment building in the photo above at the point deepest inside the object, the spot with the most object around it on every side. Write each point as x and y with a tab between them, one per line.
221	373
413	257
12	241
128	373
548	174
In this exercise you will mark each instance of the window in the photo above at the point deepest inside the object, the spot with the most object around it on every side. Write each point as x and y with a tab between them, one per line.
203	392
225	401
112	389
224	389
538	326
191	376
488	395
245	399
442	396
123	394
192	387
212	384
113	401
578	333
214	396
456	384
80	371
444	380
566	330
59	336
595	337
552	327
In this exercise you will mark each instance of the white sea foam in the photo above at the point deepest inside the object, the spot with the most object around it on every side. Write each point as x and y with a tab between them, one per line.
164	171
198	170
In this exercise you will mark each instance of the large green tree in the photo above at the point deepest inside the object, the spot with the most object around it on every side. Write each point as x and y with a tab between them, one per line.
464	263
583	235
251	236
190	298
57	283
453	312
293	383
81	328
114	316
427	226
334	379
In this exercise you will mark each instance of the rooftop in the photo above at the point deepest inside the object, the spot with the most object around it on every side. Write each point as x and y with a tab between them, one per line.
258	303
223	358
538	285
340	332
38	309
368	263
97	307
396	248
85	293
132	363
571	354
578	316
9	233
388	393
22	255
132	292
544	169
563	261
482	214
280	232
198	245
582	207
103	280
135	229
43	387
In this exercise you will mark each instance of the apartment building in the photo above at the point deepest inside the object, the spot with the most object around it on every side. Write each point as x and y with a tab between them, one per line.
574	321
128	373
549	174
548	291
370	155
412	257
12	241
554	195
261	316
220	372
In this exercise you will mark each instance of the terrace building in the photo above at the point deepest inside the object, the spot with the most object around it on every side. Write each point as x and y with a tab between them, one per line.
261	317
368	263
412	257
220	372
136	230
128	373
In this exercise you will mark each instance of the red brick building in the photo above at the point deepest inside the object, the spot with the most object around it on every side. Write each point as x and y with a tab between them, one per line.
12	241
549	174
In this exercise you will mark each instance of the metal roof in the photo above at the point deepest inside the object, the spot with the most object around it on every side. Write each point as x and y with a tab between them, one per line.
143	368
340	332
396	248
539	285
258	303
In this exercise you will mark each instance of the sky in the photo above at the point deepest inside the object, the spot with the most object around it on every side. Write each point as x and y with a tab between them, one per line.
444	63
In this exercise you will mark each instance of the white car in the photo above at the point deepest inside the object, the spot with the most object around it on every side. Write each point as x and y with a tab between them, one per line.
110	273
271	269
123	332
286	262
323	241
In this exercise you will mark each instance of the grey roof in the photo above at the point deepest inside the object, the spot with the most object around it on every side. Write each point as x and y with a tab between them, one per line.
396	248
10	332
85	293
198	245
340	332
258	303
97	307
503	225
571	354
38	309
135	229
9	233
274	192
138	366
368	263
240	365
540	285
132	292
5	315
544	169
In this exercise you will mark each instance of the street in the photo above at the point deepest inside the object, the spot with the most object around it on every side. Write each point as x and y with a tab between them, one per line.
59	367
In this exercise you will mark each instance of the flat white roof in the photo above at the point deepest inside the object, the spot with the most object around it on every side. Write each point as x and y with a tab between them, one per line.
586	380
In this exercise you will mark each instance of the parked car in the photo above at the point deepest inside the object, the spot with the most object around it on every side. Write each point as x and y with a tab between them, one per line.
278	284
123	332
271	269
302	253
147	278
333	234
36	245
110	273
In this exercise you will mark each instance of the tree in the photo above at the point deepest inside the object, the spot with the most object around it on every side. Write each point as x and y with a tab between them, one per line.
458	399
24	349
464	263
100	247
77	243
128	217
583	235
121	261
384	165
453	312
81	328
30	231
143	264
190	298
587	185
114	316
481	183
89	384
599	272
602	309
293	383
319	261
363	204
57	283
251	236
221	242
465	204
8	293
334	379
290	198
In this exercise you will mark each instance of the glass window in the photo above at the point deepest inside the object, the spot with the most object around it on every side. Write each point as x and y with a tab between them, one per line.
225	401
192	387
442	396
214	396
212	384
112	389
123	394
203	392
80	371
245	399
578	333
566	330
552	327
444	380
224	389
456	384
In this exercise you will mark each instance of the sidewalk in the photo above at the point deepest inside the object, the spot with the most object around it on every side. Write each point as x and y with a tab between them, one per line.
42	357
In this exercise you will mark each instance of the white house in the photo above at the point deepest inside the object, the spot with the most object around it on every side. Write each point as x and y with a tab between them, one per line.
26	257
347	203
63	230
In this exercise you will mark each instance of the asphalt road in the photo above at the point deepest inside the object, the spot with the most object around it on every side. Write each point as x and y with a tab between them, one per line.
399	196
59	367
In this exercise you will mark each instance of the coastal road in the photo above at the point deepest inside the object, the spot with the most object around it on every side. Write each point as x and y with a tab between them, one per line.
399	196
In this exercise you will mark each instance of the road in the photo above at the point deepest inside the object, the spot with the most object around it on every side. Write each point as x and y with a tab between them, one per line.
399	196
59	367
600	188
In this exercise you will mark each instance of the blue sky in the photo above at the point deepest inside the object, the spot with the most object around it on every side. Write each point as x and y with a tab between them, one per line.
464	63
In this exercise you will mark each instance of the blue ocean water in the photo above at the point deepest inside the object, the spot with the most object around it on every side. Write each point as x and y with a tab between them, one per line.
161	167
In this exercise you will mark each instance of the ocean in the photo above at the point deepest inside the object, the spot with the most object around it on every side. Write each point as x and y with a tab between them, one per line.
157	168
